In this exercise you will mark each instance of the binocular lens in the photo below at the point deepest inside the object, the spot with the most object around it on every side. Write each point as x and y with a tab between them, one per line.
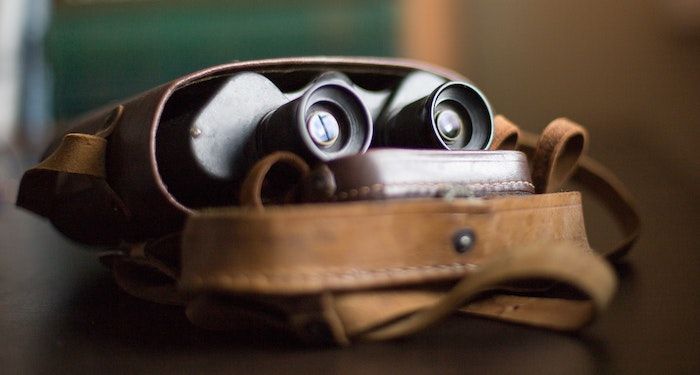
323	128
452	122
455	116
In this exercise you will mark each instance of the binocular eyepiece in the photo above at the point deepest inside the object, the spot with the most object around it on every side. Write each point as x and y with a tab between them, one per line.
455	116
328	121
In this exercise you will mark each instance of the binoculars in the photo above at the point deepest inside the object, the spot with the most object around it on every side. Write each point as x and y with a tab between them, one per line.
209	137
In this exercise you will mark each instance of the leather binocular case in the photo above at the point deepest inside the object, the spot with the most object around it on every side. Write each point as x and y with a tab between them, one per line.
335	199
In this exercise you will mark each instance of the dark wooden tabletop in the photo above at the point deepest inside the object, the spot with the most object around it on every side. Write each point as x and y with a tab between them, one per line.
60	311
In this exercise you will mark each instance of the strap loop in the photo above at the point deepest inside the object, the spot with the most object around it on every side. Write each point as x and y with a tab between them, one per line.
595	177
506	136
558	150
252	189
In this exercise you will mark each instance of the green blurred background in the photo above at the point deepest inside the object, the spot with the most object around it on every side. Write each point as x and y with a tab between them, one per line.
107	51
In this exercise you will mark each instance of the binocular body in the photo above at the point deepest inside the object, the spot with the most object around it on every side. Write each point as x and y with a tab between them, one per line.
232	121
188	144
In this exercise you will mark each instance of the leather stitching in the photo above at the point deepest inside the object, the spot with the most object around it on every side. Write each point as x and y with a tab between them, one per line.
371	274
375	189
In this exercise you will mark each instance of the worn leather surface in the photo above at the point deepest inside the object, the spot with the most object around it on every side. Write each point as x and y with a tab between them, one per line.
381	261
311	248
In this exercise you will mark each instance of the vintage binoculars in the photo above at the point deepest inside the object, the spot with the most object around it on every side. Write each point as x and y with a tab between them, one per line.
212	136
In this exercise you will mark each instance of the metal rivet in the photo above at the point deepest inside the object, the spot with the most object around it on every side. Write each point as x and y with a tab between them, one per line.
195	132
463	240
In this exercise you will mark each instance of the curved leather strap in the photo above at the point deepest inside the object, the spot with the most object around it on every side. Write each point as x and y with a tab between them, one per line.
615	196
251	190
148	270
506	135
562	262
553	153
553	313
558	149
145	279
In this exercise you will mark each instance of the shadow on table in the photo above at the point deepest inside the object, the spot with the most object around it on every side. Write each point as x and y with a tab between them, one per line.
101	328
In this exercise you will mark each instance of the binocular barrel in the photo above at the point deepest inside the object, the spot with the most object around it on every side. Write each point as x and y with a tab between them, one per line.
455	116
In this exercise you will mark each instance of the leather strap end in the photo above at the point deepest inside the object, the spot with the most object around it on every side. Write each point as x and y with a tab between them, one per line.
506	134
558	150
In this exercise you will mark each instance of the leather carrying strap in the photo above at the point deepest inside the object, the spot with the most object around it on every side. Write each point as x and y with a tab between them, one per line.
253	185
506	134
558	153
148	270
379	314
615	196
559	262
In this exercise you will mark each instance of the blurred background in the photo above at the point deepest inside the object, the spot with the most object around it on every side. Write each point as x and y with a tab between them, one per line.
629	70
